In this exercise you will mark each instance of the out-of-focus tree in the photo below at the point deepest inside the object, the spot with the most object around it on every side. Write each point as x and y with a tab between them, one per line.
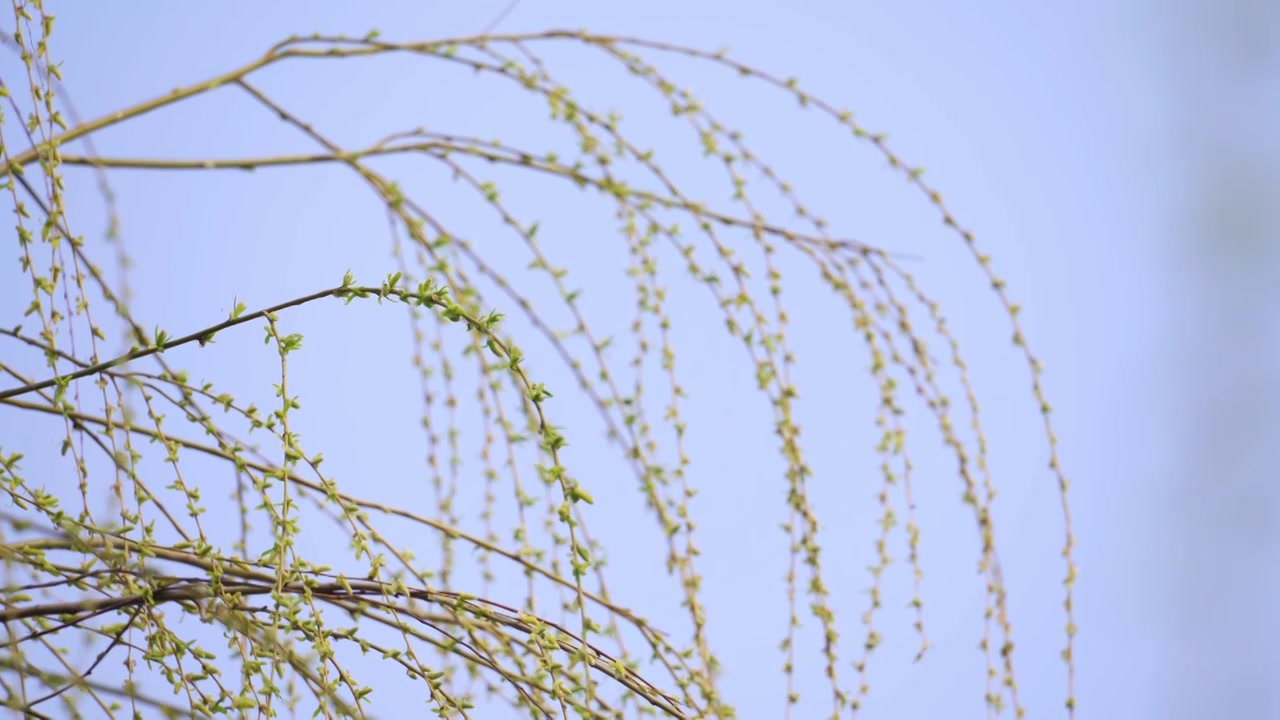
1224	541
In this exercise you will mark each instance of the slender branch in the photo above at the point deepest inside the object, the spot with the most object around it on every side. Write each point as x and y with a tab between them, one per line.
198	336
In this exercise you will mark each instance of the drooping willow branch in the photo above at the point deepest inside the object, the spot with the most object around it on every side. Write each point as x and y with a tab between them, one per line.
426	295
877	292
358	597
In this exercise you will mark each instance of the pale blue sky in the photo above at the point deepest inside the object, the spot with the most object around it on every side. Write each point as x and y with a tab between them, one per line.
1049	132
